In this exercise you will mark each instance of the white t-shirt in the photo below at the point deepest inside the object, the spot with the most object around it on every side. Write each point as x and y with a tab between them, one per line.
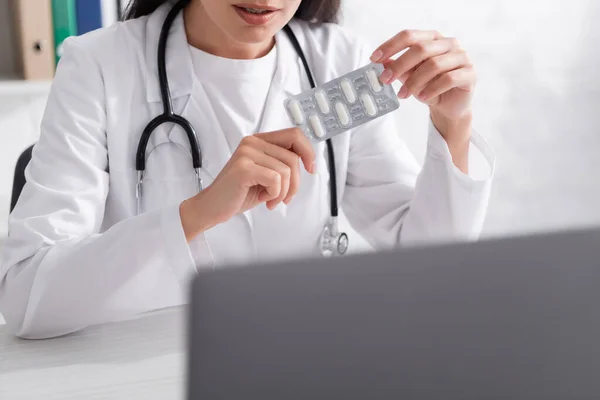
236	89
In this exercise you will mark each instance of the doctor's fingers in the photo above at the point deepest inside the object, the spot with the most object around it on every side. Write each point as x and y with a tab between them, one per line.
262	159
402	41
295	141
289	158
416	55
406	75
459	78
257	175
432	68
292	160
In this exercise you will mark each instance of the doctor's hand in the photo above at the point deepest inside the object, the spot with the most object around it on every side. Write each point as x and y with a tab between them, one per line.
265	168
435	70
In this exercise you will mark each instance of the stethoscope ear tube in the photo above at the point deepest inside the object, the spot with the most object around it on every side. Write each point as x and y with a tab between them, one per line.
165	92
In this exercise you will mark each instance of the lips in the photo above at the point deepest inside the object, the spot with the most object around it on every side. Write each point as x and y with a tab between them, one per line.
254	14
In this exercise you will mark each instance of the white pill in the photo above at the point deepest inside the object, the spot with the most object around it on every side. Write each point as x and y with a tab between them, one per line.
322	101
317	127
296	111
374	80
342	113
348	91
369	104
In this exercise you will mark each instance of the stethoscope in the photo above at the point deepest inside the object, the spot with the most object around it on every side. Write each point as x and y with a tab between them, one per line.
332	241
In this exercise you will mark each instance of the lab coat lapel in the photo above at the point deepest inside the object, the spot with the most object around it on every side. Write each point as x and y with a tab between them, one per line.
211	138
286	82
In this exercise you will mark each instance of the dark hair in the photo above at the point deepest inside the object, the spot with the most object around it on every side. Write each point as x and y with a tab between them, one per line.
309	10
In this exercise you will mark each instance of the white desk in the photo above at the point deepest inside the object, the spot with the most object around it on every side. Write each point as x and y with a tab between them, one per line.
138	359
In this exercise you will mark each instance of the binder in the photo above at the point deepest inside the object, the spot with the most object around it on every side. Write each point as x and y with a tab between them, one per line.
64	19
33	23
89	15
110	12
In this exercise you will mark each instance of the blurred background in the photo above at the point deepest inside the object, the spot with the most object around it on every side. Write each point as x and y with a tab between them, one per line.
537	100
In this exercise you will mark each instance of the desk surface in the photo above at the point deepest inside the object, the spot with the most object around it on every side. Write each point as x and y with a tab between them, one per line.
141	358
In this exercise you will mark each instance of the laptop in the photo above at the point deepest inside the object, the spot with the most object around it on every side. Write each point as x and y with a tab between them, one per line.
514	318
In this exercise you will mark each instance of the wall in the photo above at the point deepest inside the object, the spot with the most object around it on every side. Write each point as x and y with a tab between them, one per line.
537	99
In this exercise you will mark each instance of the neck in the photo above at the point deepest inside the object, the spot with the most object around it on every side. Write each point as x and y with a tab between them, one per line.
204	34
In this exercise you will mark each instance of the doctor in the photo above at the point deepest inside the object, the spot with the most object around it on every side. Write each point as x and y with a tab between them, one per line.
80	252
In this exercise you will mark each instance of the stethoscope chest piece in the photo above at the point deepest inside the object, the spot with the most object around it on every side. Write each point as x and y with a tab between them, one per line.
333	242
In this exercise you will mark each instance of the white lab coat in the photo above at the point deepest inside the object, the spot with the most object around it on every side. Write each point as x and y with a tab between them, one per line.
78	255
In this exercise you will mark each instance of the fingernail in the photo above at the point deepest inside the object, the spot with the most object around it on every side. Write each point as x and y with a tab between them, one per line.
403	94
386	76
313	168
377	55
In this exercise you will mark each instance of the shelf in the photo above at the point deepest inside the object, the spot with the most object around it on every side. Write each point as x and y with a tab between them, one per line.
20	87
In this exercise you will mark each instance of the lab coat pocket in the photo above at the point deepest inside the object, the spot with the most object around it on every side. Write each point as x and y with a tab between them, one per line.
169	178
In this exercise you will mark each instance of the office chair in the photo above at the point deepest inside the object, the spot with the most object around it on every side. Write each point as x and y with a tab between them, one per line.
19	179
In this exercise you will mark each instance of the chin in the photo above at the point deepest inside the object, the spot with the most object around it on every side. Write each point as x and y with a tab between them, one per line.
253	35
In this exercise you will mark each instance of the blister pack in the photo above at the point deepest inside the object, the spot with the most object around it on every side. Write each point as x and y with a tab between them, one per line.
342	104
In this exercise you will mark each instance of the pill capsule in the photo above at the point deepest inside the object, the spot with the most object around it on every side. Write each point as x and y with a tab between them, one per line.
342	113
369	104
374	80
348	91
317	127
322	101
296	112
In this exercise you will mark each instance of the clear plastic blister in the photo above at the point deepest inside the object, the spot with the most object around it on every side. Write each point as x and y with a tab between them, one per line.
342	104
